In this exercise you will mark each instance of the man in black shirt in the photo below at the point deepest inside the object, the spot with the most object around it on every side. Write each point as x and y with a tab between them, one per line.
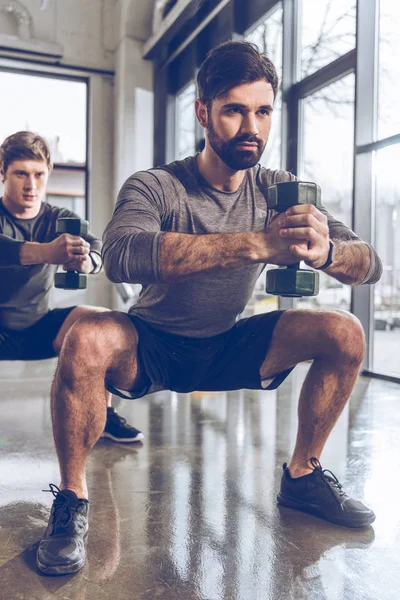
30	252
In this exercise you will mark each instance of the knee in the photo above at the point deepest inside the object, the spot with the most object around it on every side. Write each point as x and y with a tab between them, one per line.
346	337
92	340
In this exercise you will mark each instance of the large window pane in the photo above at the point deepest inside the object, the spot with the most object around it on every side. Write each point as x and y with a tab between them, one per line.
386	342
389	68
53	108
327	159
268	38
327	31
186	122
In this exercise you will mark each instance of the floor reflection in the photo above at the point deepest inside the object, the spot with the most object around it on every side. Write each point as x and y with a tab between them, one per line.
191	514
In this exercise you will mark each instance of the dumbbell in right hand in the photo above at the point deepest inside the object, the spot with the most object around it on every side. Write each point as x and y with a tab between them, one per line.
71	280
291	281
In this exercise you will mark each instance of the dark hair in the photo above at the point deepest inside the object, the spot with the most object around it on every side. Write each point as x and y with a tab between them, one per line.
24	145
230	64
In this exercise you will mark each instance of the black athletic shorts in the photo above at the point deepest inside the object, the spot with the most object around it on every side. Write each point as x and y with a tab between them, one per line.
35	342
228	361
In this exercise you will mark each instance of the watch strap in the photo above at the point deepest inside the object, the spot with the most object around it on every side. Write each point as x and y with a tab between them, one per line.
329	260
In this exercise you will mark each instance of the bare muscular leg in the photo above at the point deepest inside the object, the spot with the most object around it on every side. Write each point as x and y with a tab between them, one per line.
74	315
97	348
334	340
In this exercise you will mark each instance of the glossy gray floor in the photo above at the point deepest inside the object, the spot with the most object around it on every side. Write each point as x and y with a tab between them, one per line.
191	513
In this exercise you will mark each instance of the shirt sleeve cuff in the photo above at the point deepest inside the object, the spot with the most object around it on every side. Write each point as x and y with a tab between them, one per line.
375	267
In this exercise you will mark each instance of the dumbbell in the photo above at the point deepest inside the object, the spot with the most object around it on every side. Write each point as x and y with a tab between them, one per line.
71	280
291	281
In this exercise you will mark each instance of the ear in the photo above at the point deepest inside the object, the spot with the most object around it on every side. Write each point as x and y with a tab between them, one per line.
201	113
2	175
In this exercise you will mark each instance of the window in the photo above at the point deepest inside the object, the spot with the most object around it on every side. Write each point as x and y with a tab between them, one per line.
56	109
386	335
186	122
389	69
385	325
327	159
327	31
268	38
350	146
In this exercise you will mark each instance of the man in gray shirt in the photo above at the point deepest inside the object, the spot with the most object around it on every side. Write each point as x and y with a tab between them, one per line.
196	234
30	252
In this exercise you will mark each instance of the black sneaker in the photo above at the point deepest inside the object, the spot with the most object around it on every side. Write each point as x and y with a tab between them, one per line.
321	495
117	429
62	549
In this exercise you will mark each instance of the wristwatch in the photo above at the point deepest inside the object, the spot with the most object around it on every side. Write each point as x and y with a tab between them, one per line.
330	259
96	261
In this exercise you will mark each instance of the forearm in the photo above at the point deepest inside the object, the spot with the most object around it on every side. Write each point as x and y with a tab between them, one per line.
352	263
149	258
14	252
182	256
32	253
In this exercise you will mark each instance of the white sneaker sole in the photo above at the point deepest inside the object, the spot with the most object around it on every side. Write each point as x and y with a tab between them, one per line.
130	440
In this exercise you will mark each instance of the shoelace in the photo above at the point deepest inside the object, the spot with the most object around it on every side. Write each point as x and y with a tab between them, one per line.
62	513
117	418
328	476
54	489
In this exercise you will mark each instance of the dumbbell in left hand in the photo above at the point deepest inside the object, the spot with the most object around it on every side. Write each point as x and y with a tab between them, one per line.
71	280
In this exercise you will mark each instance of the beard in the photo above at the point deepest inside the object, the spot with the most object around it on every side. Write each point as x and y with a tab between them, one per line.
229	152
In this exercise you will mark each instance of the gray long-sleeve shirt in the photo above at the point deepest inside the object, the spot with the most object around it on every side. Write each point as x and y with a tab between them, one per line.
25	289
177	198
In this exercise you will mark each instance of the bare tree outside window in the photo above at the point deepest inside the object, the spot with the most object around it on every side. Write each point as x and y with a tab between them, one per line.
389	69
327	31
268	38
327	144
327	158
185	122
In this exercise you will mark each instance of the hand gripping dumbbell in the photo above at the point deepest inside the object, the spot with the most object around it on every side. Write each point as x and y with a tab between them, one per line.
292	281
71	280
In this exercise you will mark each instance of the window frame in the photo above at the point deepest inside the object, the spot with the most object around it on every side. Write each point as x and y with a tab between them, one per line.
36	72
363	61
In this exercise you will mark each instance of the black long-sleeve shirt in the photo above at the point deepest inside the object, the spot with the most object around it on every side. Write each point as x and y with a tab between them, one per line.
25	289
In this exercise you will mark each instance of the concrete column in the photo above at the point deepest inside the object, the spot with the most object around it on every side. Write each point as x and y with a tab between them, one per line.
133	111
133	115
